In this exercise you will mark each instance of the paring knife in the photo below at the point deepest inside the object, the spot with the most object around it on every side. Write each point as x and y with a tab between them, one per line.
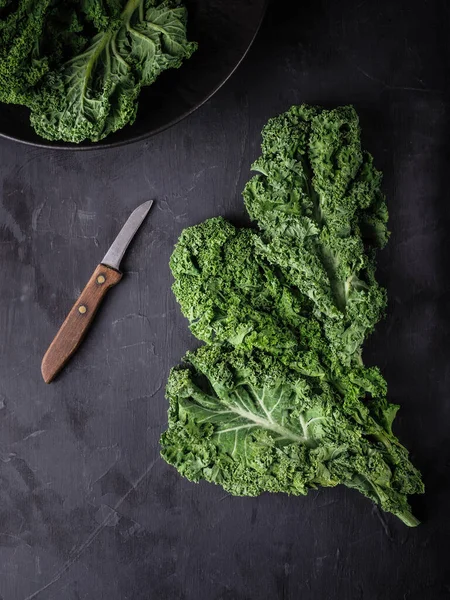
82	314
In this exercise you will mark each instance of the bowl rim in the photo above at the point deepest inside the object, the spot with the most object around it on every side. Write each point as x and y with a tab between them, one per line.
68	146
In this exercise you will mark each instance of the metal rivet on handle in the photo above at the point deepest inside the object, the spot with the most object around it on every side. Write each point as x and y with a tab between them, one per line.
101	279
82	309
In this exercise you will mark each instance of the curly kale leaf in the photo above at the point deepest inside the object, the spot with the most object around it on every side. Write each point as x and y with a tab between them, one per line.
318	203
244	421
80	65
228	293
95	93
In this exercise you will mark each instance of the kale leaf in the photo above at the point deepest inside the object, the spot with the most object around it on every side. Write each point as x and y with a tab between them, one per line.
80	66
318	203
246	422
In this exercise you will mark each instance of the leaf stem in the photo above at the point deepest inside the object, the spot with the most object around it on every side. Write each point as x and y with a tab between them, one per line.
129	9
408	518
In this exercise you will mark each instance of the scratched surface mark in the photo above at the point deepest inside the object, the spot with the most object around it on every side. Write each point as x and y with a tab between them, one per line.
88	510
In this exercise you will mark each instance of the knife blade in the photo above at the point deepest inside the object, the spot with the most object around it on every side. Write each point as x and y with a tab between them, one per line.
106	275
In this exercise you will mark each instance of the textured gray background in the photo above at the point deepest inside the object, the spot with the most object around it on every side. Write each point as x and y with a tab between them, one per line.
88	510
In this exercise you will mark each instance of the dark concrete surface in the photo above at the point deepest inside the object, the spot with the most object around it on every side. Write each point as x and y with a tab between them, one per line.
88	510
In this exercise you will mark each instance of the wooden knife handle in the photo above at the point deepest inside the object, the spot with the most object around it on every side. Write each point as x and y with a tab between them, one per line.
77	321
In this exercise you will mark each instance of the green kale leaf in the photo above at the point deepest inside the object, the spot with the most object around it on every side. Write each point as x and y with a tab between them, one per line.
80	66
244	421
318	203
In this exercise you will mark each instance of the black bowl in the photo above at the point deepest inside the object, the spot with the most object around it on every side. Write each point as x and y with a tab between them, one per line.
224	30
